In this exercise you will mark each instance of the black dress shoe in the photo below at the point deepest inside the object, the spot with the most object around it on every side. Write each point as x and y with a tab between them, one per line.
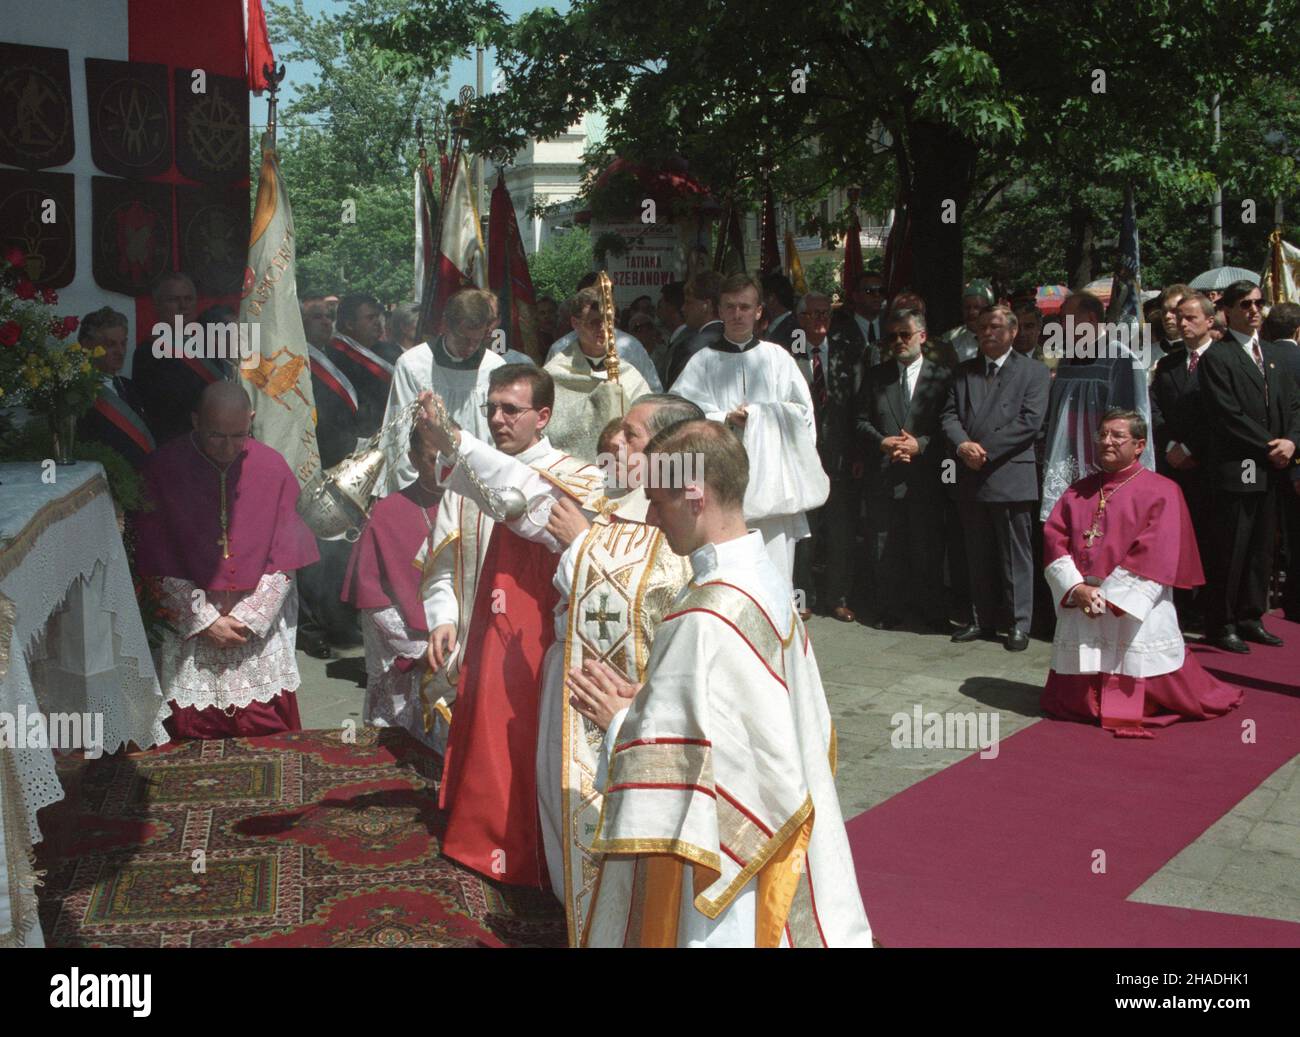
314	645
1230	642
1017	641
1256	633
884	623
972	632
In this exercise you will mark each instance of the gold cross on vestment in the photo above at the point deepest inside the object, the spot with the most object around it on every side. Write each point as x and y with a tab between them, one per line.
1092	534
602	617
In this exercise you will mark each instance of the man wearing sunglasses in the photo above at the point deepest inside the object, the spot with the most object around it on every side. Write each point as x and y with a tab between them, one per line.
1254	412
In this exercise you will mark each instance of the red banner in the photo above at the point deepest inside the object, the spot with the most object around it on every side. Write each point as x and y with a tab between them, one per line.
508	275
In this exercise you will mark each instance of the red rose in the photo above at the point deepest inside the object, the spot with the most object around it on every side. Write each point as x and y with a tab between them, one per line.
69	326
15	256
25	289
10	331
49	296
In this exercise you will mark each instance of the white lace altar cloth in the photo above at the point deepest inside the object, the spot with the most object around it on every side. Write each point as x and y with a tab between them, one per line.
71	640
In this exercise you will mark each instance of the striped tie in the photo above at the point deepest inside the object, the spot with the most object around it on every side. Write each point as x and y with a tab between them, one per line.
1259	362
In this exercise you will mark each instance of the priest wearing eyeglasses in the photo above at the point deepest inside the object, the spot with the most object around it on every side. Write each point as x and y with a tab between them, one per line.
224	540
1116	545
489	602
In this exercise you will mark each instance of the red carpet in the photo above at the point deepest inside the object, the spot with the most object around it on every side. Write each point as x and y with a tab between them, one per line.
289	840
1000	852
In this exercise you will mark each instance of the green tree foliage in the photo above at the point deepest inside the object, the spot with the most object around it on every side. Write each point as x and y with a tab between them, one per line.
347	150
822	275
558	265
944	102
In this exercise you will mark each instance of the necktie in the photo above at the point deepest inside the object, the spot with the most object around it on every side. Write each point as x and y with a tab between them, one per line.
992	371
1192	361
1259	362
819	377
117	386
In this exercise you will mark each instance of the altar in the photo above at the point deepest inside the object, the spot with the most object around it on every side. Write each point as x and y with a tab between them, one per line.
74	659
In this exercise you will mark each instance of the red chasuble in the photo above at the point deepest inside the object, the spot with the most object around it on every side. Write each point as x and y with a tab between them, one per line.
1148	531
489	784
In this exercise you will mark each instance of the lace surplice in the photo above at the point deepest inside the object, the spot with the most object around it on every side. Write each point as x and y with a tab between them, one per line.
195	672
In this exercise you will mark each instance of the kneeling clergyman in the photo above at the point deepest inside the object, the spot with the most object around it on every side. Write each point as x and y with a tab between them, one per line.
1116	545
224	538
383	582
720	824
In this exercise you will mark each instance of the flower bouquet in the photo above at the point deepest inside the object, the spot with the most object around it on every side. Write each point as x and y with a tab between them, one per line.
39	368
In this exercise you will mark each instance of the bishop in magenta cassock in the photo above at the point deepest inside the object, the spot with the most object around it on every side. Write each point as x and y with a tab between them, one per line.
383	583
1116	545
224	540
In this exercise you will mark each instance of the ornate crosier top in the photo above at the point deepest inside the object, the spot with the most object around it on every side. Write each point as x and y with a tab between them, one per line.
1093	533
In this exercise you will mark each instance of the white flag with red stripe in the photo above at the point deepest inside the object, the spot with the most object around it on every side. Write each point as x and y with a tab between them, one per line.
462	259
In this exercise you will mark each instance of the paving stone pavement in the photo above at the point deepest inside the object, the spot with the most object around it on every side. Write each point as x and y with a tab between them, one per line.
1247	863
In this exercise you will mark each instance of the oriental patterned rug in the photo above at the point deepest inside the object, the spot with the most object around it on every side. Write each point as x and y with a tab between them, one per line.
290	840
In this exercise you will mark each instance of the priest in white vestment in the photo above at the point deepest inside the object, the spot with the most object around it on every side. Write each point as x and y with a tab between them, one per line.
756	388
720	825
629	350
489	785
616	578
456	366
1116	545
590	390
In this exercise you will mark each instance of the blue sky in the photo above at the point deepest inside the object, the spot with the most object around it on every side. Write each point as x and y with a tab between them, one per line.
461	74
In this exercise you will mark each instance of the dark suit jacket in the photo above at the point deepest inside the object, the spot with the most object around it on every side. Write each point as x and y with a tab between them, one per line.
1289	352
93	427
686	348
1005	418
1241	422
1178	413
337	428
372	390
883	412
169	390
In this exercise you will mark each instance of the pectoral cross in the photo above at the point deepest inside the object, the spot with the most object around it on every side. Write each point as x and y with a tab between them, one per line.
224	539
603	617
1092	534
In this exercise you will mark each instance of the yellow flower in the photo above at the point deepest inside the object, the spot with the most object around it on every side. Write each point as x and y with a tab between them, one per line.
98	352
85	368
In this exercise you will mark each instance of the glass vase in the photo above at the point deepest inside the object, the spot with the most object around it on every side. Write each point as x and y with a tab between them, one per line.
63	435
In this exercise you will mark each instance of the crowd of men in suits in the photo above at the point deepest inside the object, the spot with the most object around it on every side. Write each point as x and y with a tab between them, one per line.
933	444
934	448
